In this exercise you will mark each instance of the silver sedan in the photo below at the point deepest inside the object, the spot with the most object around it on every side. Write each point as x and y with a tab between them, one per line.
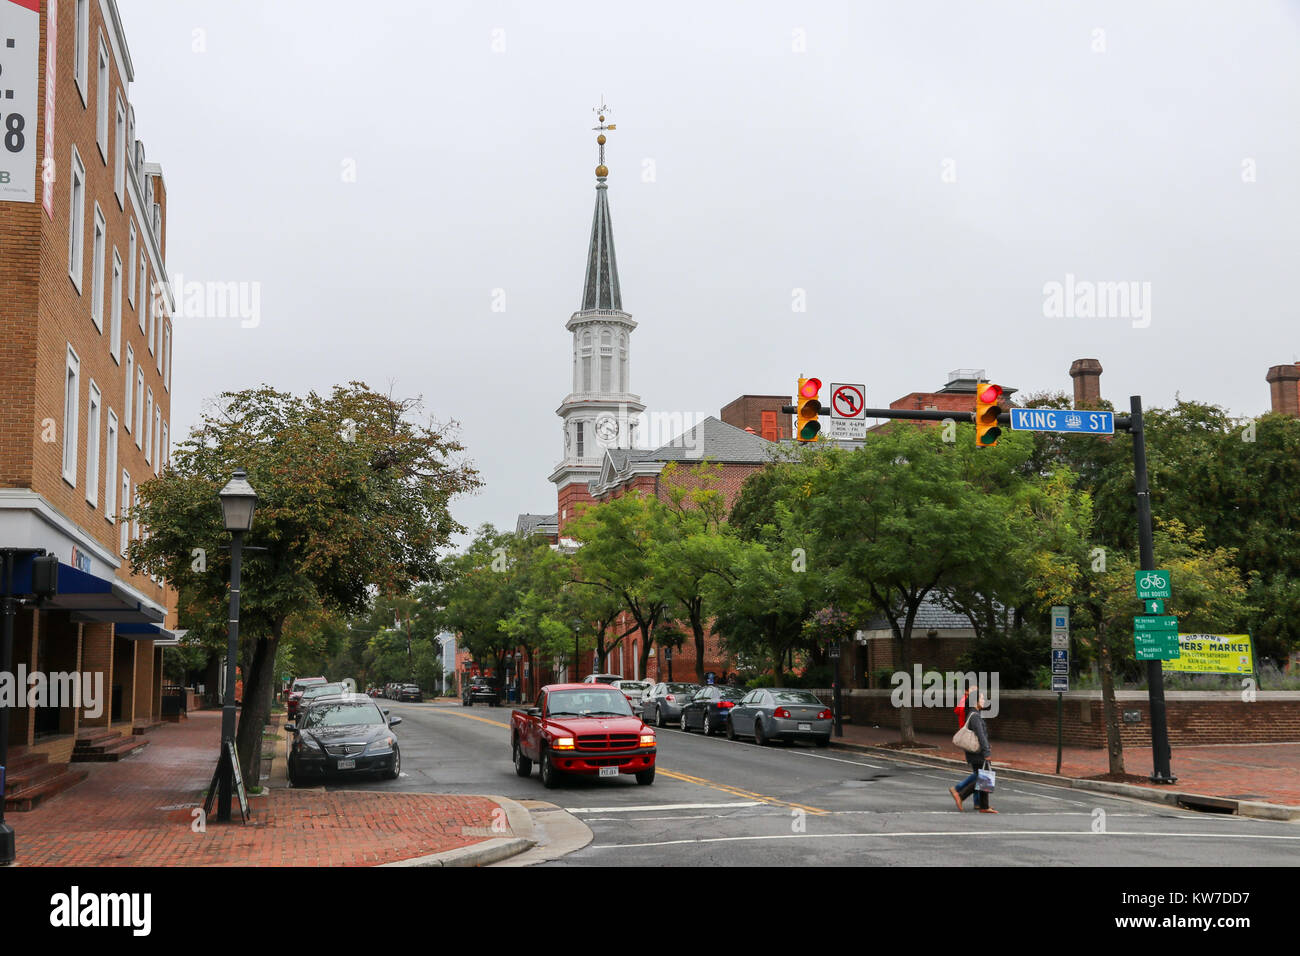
781	713
662	705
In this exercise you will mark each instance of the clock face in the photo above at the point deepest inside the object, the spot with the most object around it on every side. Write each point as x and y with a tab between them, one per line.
607	430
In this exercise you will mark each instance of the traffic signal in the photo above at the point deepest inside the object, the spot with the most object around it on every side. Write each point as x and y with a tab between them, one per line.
986	414
808	407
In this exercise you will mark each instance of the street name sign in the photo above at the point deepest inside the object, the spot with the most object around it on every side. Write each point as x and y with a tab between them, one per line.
1062	420
1152	584
1155	645
1166	623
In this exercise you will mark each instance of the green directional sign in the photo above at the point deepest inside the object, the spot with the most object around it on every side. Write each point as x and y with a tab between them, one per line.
1152	584
1154	606
1166	623
1155	645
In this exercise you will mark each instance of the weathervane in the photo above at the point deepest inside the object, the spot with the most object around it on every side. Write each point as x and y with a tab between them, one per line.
602	170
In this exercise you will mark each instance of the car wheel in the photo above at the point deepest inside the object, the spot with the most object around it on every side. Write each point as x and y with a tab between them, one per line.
523	766
824	741
731	731
550	777
464	703
395	771
708	730
659	717
646	777
760	738
293	772
683	723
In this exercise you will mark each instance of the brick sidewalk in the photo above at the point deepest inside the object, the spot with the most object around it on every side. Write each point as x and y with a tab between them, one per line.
1265	772
139	813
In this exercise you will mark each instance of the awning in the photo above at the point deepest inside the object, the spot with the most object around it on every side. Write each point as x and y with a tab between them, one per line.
90	599
146	632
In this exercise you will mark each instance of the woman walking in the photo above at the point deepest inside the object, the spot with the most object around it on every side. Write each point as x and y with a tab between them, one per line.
976	759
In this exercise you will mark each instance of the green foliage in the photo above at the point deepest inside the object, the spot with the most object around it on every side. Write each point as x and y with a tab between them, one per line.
1017	658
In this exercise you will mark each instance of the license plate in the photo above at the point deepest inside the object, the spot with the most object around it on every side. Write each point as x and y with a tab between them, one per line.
805	726
347	764
609	771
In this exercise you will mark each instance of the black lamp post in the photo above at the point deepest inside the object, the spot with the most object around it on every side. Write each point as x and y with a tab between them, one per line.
668	659
834	651
238	501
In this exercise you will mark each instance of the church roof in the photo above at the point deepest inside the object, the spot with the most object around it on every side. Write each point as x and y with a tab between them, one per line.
600	288
529	524
715	440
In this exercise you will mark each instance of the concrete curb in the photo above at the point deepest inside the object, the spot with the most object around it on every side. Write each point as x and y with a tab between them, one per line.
1191	801
487	851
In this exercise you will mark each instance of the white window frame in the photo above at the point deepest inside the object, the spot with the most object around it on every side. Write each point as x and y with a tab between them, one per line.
167	358
139	404
157	439
110	469
94	407
76	219
135	512
119	153
127	403
158	352
115	310
164	449
148	425
153	321
81	48
130	266
71	408
99	237
123	508
102	100
144	287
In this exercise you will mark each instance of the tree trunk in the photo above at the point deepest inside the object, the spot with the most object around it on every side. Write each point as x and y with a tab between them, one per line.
697	628
906	728
1114	743
259	684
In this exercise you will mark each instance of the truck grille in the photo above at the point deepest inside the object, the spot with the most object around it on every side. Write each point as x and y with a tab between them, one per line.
608	741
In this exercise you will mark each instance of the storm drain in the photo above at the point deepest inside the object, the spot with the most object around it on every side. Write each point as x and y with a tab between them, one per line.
1191	801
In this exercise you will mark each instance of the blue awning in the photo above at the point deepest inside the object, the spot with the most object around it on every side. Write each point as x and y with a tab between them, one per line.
90	598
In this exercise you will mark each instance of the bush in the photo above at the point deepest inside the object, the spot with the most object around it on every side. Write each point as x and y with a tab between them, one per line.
1017	658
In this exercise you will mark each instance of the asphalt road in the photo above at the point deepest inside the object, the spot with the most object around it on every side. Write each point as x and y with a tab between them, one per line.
716	801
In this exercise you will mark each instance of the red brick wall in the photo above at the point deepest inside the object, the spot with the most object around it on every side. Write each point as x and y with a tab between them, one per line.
747	412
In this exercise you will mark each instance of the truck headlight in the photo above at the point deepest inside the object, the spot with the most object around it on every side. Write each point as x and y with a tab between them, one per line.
647	740
563	743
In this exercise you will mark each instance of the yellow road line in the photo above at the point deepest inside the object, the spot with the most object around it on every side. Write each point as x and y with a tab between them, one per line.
675	775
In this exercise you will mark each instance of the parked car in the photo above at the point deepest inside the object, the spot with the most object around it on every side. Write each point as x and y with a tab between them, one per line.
295	693
789	714
410	692
581	729
662	703
602	678
480	691
633	690
345	734
320	690
709	710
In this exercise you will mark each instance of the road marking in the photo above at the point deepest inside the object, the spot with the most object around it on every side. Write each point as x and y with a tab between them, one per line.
486	720
749	794
856	763
663	806
1001	834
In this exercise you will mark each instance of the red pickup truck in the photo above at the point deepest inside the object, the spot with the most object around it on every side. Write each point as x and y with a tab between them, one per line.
584	729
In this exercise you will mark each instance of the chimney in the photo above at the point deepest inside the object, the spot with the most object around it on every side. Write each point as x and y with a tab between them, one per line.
1087	381
1284	386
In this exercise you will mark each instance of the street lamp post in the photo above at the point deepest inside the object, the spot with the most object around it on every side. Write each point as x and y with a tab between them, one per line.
835	687
668	659
238	501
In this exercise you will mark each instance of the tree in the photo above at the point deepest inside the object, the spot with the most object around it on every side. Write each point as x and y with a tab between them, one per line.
352	496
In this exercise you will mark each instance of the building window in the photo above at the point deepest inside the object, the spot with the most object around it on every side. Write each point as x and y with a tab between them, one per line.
139	404
119	154
579	436
110	469
122	515
587	383
157	437
127	404
148	425
164	449
71	398
92	446
622	363
770	431
130	264
76	218
167	357
115	310
158	350
153	320
101	102
144	287
135	512
81	49
97	273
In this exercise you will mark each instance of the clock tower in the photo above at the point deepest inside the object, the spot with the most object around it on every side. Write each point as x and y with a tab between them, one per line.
600	412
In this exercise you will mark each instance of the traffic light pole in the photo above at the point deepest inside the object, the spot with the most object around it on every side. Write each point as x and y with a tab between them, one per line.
1147	557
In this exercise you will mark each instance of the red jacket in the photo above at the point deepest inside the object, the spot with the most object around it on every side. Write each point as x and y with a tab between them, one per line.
960	711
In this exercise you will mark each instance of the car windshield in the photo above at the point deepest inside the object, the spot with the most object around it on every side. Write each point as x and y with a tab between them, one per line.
579	703
302	685
732	693
317	690
345	714
795	697
682	688
632	685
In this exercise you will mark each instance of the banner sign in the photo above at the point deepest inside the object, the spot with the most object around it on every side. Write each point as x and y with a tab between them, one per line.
1213	654
20	51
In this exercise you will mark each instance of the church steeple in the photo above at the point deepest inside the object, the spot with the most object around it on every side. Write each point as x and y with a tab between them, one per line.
600	289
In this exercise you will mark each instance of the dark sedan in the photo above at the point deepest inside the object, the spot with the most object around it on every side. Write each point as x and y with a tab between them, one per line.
663	704
410	692
480	692
344	735
710	709
781	713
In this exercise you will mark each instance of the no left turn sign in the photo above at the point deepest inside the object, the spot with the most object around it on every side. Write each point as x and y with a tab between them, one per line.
848	401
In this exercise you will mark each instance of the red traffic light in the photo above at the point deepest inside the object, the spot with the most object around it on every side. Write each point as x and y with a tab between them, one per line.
990	394
810	388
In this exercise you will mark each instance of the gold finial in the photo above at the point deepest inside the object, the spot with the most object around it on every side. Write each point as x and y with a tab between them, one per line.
602	170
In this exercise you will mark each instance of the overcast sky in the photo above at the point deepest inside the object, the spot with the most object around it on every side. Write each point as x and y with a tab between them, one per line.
920	170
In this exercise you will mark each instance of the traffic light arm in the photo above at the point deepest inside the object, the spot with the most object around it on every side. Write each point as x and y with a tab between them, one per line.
1122	422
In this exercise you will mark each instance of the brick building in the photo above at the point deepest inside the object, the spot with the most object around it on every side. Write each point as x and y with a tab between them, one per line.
85	382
